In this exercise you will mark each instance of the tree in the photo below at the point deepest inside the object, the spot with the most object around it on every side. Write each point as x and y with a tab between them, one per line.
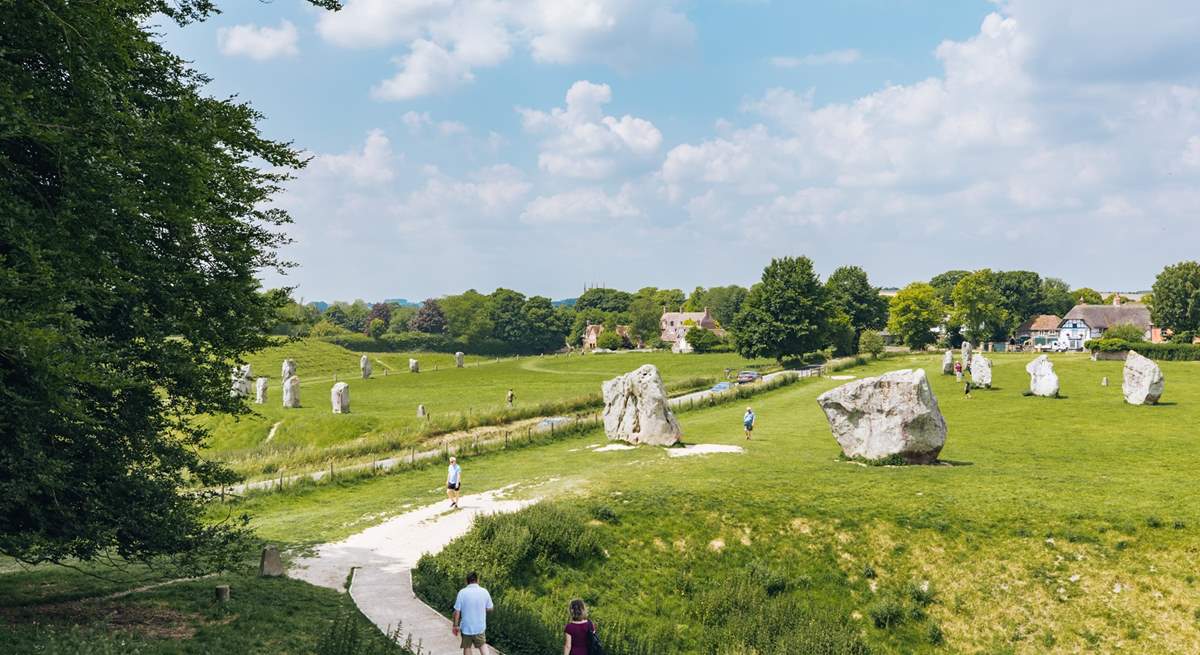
337	315
1020	292
913	313
606	300
429	318
506	312
376	328
1176	305
702	341
380	311
584	318
979	307
645	319
1087	296
944	283
135	215
852	294
468	316
609	340
1115	299
723	303
547	326
1054	297
786	314
870	343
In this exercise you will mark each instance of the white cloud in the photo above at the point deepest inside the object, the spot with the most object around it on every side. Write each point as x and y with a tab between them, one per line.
580	141
833	57
372	165
419	122
580	206
259	43
447	40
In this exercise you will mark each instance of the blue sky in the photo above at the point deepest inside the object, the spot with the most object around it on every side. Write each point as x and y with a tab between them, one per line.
543	145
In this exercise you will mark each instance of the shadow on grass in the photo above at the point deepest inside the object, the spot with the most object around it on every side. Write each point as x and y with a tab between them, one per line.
952	462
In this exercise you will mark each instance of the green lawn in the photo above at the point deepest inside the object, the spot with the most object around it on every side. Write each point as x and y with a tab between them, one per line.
383	409
1063	526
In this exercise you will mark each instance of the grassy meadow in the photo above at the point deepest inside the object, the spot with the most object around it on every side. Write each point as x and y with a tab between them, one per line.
1066	525
383	415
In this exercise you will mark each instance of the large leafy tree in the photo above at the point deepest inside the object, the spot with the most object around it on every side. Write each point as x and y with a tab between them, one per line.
429	318
1087	296
1054	297
468	316
605	300
1176	300
547	326
852	294
723	303
913	313
944	283
645	319
1021	293
134	215
787	314
979	307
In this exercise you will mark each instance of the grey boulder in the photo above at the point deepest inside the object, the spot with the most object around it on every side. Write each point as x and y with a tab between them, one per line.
893	414
291	392
636	410
1043	381
1144	380
981	371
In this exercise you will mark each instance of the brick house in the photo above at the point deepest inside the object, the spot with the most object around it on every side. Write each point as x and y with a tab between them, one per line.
674	325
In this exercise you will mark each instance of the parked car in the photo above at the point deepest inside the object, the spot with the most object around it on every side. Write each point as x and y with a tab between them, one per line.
746	377
722	386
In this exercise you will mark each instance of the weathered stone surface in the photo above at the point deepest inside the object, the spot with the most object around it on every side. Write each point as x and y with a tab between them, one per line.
364	365
966	355
421	413
1144	380
1104	381
239	381
260	390
288	369
458	359
893	414
636	410
981	371
291	392
339	397
948	363
270	565
414	366
1043	381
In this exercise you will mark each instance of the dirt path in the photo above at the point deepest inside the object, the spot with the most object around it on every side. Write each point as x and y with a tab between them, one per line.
381	559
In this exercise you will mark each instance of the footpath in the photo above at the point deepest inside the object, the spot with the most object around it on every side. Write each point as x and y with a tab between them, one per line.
379	563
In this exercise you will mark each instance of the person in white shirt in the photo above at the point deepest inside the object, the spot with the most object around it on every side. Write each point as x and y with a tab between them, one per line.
471	608
453	481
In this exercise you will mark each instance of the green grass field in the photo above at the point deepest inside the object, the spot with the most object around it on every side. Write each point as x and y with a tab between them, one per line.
1068	525
383	409
1065	525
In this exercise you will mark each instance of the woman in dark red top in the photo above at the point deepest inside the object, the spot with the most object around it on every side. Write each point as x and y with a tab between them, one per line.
576	640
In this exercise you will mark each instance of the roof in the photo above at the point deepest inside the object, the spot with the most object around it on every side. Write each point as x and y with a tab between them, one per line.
1102	317
1040	323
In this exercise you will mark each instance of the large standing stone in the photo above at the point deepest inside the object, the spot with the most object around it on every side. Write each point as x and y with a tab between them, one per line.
288	370
1043	381
240	381
364	364
458	359
421	413
291	392
1144	380
948	363
339	397
636	410
893	414
414	366
260	390
966	354
981	371
270	565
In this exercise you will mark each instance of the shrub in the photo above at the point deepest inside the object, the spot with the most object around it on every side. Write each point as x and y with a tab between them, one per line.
376	328
325	328
1178	352
870	343
1125	332
703	341
609	340
887	612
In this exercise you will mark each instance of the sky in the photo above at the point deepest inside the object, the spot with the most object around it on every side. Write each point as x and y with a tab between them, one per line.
550	145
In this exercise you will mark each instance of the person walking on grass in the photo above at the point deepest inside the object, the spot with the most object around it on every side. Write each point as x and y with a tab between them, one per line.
580	633
471	608
967	389
509	398
748	422
453	482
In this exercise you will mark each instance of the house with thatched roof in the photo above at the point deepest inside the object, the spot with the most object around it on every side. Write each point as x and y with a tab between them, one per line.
1085	322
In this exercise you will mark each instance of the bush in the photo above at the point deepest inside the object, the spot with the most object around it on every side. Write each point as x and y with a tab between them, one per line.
1178	352
609	340
870	343
703	341
324	328
376	328
1125	332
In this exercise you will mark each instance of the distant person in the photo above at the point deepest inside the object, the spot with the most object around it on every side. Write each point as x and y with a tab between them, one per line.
958	371
453	481
967	389
510	397
470	615
579	633
748	421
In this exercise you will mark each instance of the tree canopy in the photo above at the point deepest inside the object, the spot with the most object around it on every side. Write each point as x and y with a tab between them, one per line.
1087	296
913	313
851	292
979	307
605	300
1176	292
787	314
1054	297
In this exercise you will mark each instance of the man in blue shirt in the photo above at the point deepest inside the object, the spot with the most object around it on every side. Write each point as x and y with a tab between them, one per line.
453	481
470	614
748	421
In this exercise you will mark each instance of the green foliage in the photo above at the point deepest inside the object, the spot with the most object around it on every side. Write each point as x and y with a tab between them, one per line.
1125	332
376	328
429	318
1177	352
841	334
1087	296
645	319
672	299
1115	299
723	303
1054	297
605	300
381	312
347	635
1021	296
703	341
914	311
980	307
787	314
943	285
871	343
851	292
610	340
1177	297
327	328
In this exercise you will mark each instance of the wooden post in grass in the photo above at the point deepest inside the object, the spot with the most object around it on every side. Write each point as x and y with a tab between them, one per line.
222	593
506	439
331	470
281	480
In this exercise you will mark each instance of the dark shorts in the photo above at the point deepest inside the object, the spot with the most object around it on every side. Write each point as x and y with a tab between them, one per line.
749	427
454	487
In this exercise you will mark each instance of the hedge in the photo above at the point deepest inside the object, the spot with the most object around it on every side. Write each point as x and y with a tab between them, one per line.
1177	352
